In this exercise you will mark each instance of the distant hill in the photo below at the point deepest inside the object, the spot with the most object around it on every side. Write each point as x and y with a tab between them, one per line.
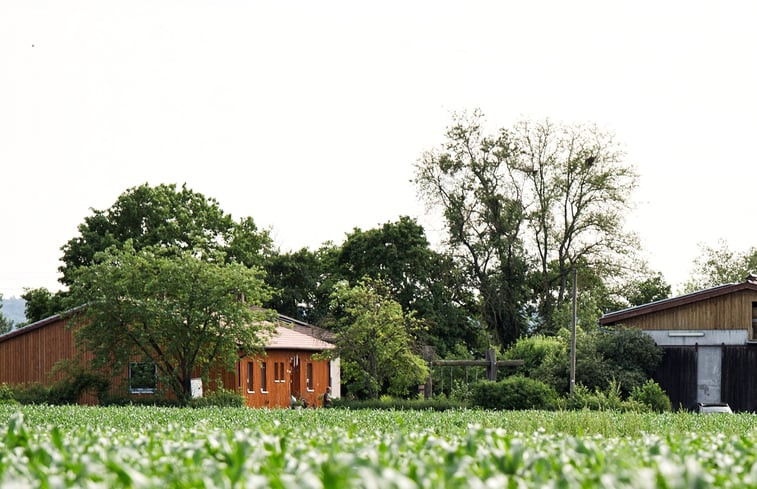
13	309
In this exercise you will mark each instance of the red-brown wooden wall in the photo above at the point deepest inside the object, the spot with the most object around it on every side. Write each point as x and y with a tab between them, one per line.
28	356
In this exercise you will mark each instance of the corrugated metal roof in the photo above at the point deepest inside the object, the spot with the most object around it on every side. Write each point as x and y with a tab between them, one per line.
288	339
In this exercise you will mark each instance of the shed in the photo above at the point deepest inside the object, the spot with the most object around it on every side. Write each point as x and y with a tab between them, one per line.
710	343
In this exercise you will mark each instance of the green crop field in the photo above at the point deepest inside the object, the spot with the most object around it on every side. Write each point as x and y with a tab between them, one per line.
51	447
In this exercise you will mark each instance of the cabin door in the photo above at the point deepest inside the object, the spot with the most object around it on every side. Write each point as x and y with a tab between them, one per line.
294	378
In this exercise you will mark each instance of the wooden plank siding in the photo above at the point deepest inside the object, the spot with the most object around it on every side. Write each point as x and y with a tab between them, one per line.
733	311
292	369
28	355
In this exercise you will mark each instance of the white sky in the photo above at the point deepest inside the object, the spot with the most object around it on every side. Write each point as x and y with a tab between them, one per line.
308	116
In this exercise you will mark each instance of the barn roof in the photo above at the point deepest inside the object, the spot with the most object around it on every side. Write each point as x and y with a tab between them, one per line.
750	283
300	336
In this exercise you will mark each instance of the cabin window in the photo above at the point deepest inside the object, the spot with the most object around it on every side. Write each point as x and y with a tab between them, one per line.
279	372
143	377
263	379
250	384
309	377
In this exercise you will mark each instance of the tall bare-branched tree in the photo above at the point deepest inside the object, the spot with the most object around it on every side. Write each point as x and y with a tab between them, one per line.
526	206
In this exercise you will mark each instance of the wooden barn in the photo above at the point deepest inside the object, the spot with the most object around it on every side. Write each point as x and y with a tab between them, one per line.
710	343
290	366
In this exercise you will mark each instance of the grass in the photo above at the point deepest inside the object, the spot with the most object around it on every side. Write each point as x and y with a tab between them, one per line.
72	446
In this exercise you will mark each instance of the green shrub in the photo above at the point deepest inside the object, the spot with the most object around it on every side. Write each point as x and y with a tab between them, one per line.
221	398
125	400
435	404
516	392
598	400
6	395
652	395
34	393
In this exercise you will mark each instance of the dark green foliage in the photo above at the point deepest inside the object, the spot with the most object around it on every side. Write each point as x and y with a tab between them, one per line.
651	394
41	303
534	351
183	313
626	356
122	400
167	217
609	399
515	392
436	404
68	390
6	395
651	289
302	282
375	341
219	398
5	323
631	356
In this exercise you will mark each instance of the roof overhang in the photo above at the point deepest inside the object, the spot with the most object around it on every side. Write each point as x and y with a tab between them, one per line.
653	307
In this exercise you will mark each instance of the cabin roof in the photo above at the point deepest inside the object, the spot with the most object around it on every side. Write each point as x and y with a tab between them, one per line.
285	338
300	336
750	283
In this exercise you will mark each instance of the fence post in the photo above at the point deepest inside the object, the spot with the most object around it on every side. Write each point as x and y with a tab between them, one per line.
428	356
491	369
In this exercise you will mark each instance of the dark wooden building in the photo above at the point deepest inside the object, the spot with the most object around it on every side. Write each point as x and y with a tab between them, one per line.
710	343
289	367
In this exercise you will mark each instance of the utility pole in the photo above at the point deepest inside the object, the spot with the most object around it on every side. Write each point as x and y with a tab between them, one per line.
573	336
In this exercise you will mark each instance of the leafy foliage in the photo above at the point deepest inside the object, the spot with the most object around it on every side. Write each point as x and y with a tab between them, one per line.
5	323
651	394
515	392
183	312
525	207
719	266
375	341
166	217
626	356
41	303
226	447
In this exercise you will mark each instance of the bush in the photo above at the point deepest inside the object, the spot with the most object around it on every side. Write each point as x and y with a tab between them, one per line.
35	393
221	398
435	404
516	392
156	401
6	395
599	400
652	395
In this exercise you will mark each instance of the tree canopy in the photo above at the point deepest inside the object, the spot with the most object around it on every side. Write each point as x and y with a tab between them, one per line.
523	208
164	216
719	265
375	340
184	312
5	323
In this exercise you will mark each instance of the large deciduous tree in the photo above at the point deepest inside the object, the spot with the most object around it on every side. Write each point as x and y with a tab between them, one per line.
523	208
576	189
302	281
179	308
375	340
165	216
420	279
719	265
470	178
